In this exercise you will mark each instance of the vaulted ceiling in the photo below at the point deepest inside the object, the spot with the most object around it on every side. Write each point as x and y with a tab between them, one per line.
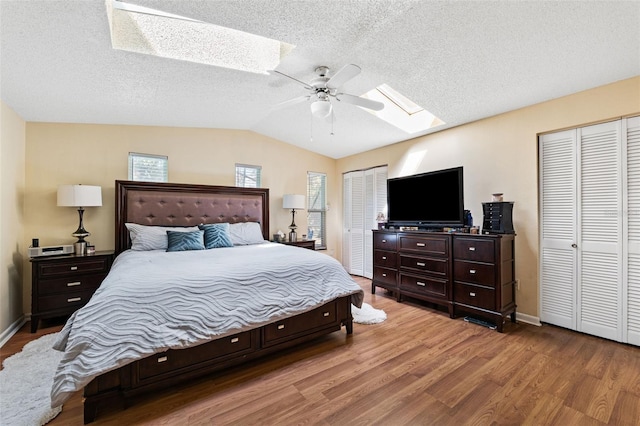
462	61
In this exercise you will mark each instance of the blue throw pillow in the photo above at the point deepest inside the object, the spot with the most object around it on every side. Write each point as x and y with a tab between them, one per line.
216	235
182	241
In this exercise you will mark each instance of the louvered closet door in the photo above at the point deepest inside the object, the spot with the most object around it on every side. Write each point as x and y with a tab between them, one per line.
631	297
354	226
600	231
558	257
375	202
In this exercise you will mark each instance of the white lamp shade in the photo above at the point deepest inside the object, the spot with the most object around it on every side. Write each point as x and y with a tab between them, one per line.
321	109
292	201
79	196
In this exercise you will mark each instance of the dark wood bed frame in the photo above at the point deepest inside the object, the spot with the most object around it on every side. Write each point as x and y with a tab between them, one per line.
166	204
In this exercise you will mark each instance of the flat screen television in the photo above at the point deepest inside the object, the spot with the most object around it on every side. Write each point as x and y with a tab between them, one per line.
427	200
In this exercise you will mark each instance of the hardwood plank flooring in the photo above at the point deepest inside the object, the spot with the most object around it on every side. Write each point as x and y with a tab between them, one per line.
417	368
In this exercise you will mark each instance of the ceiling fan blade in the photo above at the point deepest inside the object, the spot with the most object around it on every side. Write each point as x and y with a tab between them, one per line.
345	74
306	85
293	101
361	102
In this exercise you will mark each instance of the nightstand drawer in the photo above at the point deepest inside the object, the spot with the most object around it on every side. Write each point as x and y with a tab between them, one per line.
82	265
63	301
70	284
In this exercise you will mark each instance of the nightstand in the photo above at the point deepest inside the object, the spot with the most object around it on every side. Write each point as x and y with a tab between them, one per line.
308	244
62	284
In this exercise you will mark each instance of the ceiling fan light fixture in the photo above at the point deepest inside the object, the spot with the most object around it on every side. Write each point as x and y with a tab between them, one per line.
321	109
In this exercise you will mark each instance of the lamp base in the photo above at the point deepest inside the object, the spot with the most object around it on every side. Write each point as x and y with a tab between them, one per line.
293	236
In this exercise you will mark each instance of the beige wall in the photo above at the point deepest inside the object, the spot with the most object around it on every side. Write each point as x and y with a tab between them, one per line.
12	242
499	154
97	155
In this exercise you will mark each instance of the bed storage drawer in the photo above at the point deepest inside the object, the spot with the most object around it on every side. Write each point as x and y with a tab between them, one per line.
325	315
169	361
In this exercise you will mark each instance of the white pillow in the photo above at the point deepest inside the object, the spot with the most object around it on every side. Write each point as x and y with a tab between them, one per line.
245	233
144	237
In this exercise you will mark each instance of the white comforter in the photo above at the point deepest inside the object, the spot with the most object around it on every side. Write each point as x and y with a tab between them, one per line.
153	301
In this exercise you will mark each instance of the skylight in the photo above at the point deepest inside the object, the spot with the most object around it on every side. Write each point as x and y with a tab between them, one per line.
153	32
400	111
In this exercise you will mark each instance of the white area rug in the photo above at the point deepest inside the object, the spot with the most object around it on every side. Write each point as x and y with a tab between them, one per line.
25	384
367	314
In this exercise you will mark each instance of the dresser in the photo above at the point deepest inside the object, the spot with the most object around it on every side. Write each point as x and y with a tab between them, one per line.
465	273
62	284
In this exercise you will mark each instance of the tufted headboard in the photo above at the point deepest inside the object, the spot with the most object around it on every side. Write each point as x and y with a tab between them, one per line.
175	204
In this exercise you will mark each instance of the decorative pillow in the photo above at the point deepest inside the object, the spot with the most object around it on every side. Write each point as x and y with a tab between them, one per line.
245	233
216	235
183	241
144	237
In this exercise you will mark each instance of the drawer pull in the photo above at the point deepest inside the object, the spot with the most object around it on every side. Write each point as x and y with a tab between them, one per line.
280	326
235	340
384	275
384	241
472	294
421	264
472	271
420	244
74	299
325	314
162	359
384	257
73	284
421	284
472	249
74	268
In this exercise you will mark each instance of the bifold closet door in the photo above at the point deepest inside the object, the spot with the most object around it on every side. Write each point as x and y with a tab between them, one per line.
558	241
353	222
600	231
582	236
631	128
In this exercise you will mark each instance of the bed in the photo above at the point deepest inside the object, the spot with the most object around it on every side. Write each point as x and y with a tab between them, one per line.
165	315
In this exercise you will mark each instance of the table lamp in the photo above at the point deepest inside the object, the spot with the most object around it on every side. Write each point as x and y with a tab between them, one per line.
80	196
293	202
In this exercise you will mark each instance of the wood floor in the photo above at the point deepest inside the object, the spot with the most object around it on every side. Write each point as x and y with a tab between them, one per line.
417	368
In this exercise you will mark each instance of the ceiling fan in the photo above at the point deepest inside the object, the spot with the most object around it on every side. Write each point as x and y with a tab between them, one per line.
323	88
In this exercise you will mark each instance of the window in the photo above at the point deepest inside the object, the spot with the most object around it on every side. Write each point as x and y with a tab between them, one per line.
248	176
317	208
148	167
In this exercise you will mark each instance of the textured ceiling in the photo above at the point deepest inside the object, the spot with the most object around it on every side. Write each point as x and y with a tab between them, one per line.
462	61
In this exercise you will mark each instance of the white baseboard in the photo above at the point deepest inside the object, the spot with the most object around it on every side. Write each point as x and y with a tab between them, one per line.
12	329
528	319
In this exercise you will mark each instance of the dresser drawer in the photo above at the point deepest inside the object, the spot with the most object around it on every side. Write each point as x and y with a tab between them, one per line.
385	240
384	276
74	299
73	267
423	285
436	266
287	327
476	296
477	273
425	245
478	249
169	361
70	284
385	259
